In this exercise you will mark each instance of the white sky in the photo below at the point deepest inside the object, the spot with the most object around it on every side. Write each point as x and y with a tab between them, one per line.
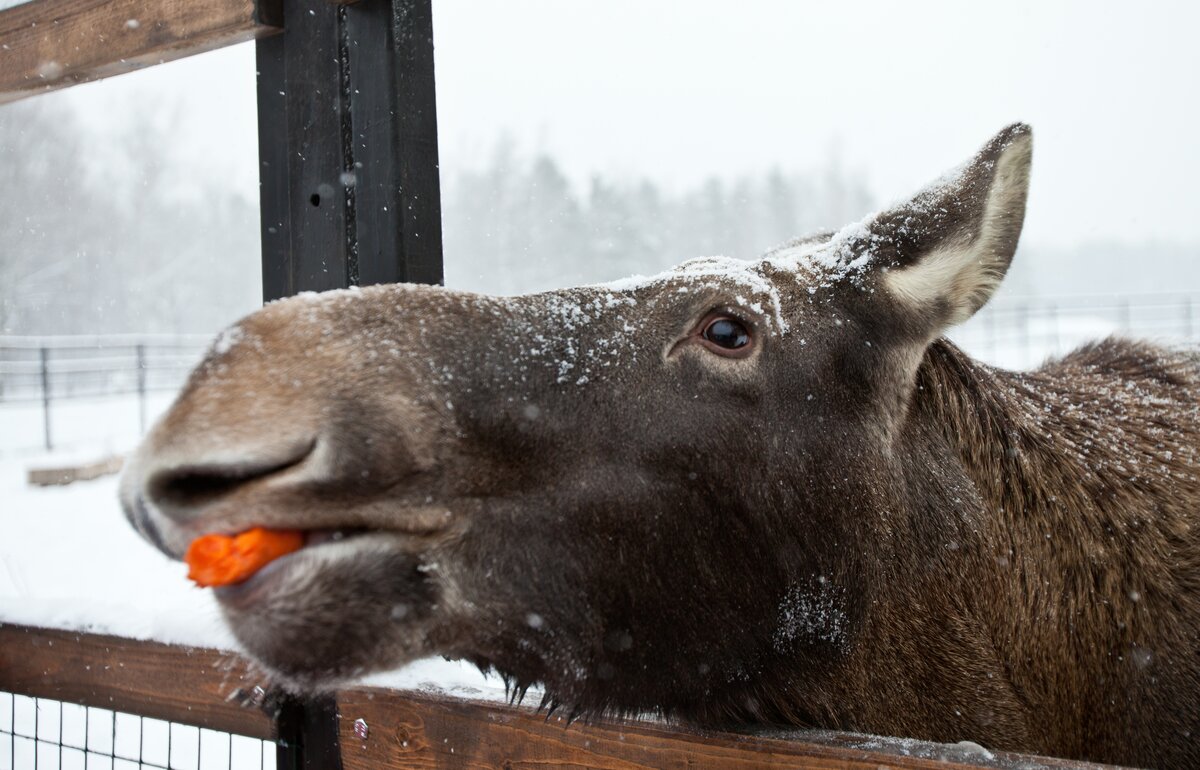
678	91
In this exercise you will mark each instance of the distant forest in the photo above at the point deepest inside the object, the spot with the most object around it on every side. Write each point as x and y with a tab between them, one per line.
518	225
98	239
114	239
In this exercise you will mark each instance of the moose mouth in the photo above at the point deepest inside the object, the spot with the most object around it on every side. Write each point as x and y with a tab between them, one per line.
324	550
349	600
245	592
314	537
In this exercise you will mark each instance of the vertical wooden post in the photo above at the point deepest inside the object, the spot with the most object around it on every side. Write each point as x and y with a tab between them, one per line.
350	194
348	147
307	734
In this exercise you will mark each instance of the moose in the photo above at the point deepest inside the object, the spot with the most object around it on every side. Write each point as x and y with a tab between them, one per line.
763	492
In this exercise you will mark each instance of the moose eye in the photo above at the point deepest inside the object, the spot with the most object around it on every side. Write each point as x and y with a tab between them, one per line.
727	333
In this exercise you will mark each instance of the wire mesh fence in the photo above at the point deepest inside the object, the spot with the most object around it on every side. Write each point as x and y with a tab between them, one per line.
74	367
43	734
1020	334
43	372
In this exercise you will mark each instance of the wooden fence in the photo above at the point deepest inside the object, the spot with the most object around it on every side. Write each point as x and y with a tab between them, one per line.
350	195
214	689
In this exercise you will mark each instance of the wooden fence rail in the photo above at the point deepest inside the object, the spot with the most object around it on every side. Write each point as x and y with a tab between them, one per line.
217	690
51	44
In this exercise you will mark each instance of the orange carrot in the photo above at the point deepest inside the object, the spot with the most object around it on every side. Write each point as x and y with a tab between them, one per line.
219	560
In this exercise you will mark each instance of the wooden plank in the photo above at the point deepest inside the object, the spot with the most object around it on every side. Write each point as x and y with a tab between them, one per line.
413	730
60	475
348	153
407	730
51	44
202	687
394	147
307	223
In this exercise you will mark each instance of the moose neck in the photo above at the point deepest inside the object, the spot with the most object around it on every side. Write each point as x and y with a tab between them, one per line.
1064	522
995	422
1057	441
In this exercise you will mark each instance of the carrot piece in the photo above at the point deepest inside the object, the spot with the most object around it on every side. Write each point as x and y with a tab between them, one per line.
219	560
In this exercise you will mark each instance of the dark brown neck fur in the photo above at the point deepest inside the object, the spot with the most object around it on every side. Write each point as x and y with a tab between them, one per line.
1086	470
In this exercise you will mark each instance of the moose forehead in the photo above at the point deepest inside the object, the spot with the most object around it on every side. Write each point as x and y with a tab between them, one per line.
579	330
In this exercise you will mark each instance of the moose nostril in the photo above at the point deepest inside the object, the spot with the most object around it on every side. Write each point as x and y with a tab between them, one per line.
191	486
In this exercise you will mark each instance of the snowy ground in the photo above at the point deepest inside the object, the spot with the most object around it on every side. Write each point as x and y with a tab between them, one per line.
1013	346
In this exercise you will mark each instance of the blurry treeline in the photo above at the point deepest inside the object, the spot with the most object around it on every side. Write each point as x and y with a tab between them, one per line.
517	224
97	239
100	236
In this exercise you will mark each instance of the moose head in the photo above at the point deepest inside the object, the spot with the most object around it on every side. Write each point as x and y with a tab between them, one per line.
701	493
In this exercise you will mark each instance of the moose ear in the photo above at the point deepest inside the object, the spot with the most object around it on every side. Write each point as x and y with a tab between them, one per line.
944	252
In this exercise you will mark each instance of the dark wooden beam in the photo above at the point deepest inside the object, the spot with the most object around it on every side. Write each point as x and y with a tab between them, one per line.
348	147
307	734
51	44
206	688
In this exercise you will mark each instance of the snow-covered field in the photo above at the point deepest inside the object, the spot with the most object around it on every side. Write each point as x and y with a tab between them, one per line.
89	425
1024	347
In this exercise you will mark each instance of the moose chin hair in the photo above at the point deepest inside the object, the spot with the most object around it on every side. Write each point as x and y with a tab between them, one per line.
329	614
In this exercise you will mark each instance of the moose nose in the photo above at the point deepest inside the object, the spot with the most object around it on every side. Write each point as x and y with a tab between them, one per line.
182	491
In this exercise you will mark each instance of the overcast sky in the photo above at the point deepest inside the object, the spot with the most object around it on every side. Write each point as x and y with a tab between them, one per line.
679	91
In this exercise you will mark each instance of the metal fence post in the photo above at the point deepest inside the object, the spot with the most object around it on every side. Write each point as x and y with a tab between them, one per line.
141	386
989	326
1052	318
1023	332
45	359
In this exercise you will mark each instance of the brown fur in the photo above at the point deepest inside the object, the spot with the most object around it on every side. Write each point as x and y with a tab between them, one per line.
850	524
